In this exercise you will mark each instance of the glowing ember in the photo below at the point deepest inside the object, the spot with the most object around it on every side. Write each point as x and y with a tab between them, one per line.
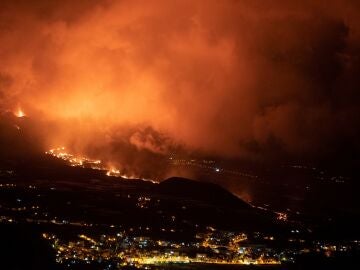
113	172
84	162
19	113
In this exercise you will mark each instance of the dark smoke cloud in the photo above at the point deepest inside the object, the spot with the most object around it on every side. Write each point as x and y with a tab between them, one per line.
228	78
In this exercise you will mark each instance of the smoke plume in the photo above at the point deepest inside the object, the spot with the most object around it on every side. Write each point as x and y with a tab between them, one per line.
225	78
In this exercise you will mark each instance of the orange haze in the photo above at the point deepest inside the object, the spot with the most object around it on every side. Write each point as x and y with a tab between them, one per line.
229	78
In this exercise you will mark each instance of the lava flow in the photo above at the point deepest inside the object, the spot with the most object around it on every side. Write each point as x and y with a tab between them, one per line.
85	162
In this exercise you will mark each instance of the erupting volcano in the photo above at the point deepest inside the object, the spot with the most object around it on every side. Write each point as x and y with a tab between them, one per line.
231	80
19	113
154	133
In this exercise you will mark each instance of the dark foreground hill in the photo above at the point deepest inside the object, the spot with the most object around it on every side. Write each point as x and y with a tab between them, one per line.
22	248
209	192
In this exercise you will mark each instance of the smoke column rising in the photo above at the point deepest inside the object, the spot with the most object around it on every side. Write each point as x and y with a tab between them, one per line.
225	78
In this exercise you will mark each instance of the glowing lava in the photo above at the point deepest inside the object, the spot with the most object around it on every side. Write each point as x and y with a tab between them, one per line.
19	113
84	162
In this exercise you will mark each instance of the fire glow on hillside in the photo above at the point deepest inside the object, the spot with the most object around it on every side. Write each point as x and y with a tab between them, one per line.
96	164
227	78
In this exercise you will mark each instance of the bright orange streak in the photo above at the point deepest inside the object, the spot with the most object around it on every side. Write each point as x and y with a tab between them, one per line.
85	162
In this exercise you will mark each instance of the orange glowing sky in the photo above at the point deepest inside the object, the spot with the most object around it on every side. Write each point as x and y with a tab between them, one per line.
229	78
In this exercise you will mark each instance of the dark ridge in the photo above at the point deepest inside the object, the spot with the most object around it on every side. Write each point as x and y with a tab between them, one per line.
201	191
18	138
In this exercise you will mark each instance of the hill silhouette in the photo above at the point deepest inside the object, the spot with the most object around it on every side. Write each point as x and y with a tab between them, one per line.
209	192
